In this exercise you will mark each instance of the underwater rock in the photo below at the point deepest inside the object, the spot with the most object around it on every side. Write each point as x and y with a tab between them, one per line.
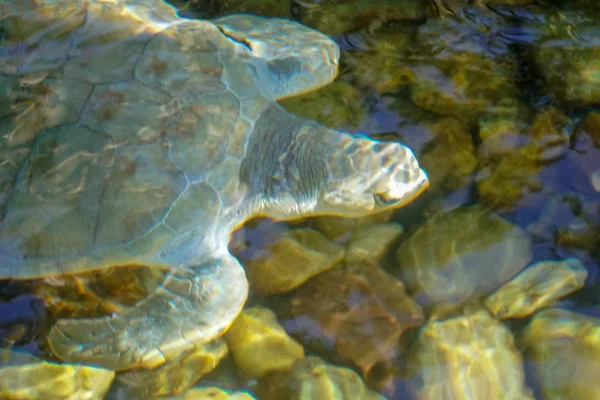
538	286
590	125
506	181
340	229
449	158
292	259
384	63
467	356
564	347
340	16
361	312
338	105
466	253
172	377
96	293
266	8
313	379
451	6
25	377
259	345
502	132
461	66
567	54
372	243
213	393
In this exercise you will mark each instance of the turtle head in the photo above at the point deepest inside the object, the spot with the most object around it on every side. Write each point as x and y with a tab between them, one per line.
283	57
367	176
296	168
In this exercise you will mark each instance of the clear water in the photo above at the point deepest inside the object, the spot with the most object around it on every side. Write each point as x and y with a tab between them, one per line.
500	102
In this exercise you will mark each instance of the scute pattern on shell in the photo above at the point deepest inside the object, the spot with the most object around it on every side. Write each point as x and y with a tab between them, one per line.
125	170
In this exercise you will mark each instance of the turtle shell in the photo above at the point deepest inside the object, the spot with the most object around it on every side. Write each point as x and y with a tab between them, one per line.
121	140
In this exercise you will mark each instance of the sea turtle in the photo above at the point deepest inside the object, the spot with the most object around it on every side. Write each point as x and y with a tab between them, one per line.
130	136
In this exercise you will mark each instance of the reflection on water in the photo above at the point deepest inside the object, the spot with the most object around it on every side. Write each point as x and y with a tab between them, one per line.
486	287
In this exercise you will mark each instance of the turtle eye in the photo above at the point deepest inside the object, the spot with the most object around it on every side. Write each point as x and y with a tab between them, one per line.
384	198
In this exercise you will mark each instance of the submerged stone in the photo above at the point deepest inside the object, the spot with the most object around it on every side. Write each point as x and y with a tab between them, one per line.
361	312
372	243
466	253
568	56
564	347
292	259
467	356
259	345
461	67
338	105
449	158
175	376
340	229
538	286
213	393
313	379
25	377
510	178
340	16
96	293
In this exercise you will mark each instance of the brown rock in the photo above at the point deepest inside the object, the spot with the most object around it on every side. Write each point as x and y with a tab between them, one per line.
291	260
363	311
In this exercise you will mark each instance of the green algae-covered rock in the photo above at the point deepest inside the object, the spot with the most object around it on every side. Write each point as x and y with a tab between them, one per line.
468	252
338	105
266	8
340	229
313	379
563	44
340	16
460	67
467	356
507	180
372	243
538	286
449	158
24	377
259	345
292	259
384	64
564	347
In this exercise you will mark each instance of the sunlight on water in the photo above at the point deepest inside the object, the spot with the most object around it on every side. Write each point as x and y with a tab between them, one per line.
136	134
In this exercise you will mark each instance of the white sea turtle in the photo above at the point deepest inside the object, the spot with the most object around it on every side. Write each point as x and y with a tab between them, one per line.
130	136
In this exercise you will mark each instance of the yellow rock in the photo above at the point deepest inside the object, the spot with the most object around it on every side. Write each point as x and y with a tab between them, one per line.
340	228
291	260
372	243
260	345
537	287
450	157
466	357
565	349
337	105
175	375
36	379
212	393
313	379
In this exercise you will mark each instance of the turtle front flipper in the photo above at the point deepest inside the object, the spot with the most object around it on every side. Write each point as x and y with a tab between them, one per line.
193	305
